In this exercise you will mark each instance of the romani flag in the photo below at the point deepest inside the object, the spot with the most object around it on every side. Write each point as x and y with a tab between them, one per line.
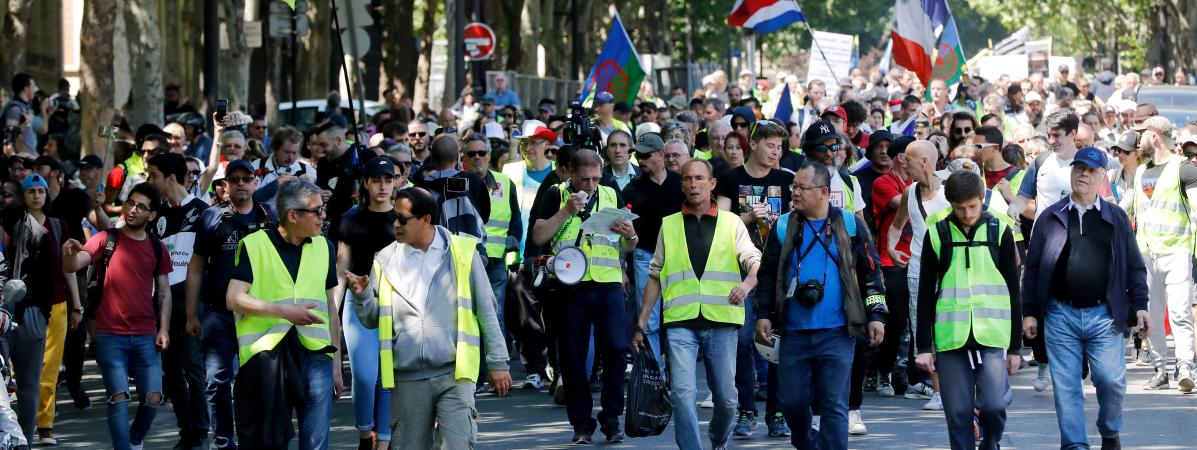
617	70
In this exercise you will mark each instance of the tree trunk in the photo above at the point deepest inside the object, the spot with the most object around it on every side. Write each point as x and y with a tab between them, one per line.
529	35
234	61
276	60
312	80
424	67
145	58
1173	37
398	47
511	29
13	29
97	96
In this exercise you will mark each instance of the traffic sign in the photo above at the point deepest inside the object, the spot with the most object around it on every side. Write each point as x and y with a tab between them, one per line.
479	41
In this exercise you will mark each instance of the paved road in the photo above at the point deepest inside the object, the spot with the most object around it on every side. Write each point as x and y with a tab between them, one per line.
528	419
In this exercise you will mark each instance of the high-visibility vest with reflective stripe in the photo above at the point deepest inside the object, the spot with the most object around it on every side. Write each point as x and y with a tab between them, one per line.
687	296
469	341
703	154
273	284
602	253
1163	219
974	298
500	216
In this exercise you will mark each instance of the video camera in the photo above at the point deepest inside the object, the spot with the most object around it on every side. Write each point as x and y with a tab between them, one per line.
581	128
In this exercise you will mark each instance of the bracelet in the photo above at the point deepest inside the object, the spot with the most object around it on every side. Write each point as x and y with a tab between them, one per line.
634	237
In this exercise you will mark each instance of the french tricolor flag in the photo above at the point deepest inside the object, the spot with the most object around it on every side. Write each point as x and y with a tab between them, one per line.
915	22
763	16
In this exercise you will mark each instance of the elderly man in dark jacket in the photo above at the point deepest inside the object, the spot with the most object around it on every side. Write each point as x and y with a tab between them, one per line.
820	281
1085	284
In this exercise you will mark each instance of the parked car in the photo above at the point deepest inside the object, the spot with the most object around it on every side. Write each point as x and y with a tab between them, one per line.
1168	96
305	111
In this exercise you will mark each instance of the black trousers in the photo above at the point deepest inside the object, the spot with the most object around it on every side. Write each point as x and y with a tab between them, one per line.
601	306
897	296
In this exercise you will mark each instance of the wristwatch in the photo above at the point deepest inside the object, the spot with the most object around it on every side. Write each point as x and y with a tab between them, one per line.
78	310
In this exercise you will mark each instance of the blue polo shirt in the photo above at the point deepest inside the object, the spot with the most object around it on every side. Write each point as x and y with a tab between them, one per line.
817	265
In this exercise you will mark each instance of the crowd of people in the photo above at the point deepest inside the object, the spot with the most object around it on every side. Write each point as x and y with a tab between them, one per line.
884	240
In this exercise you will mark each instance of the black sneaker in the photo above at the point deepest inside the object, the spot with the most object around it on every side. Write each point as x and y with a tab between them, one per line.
870	383
614	438
1111	443
582	437
79	396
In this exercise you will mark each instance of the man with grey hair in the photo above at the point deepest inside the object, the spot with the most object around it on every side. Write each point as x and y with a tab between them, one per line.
282	292
677	154
282	165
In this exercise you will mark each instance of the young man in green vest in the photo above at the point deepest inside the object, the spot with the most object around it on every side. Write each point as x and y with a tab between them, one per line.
700	254
968	294
429	295
596	301
281	292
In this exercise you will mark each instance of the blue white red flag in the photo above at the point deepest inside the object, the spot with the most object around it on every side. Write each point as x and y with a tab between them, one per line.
763	16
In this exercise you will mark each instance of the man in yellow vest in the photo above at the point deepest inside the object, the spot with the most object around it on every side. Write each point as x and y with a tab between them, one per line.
596	301
281	293
701	252
968	297
429	296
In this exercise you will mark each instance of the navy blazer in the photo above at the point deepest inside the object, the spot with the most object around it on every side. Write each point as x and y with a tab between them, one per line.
1126	291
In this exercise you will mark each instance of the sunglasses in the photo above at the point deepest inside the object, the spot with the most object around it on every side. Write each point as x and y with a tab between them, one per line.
922	124
317	211
965	130
240	180
402	219
419	134
982	146
739	124
1190	155
550	151
476	154
827	148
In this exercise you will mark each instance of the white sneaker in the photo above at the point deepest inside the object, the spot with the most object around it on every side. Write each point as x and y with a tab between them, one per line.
533	381
1043	379
935	404
1184	380
814	422
856	425
919	391
708	402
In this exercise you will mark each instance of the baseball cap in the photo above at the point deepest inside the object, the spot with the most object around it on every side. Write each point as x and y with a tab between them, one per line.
1145	110
46	160
678	102
898	146
535	129
492	130
33	180
242	164
1190	139
647	127
1128	141
603	97
1092	157
1157	124
649	143
959	165
148	130
1126	104
835	110
1032	97
91	161
818	132
379	166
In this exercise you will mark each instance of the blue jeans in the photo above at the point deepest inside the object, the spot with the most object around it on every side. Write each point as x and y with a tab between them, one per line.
717	347
316	407
220	361
1074	336
974	379
371	404
120	356
823	357
642	259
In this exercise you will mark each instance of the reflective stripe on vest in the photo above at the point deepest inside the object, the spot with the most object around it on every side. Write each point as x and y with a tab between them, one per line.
499	225
469	343
602	253
973	297
273	284
1163	219
687	296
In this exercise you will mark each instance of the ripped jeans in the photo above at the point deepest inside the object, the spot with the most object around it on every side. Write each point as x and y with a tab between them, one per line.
120	356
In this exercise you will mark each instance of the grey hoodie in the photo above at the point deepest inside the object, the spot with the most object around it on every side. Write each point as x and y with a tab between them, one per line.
425	332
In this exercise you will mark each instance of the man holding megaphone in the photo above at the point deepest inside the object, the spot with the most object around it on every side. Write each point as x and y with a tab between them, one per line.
597	298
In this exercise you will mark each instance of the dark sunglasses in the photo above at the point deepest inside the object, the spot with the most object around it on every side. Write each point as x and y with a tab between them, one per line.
550	151
922	124
739	124
318	211
420	134
827	148
1189	155
402	219
476	154
242	180
965	130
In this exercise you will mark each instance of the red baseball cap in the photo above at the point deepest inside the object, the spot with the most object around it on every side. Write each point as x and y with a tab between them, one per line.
836	110
535	129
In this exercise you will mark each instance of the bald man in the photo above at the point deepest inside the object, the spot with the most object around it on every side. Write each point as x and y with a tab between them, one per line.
1085	136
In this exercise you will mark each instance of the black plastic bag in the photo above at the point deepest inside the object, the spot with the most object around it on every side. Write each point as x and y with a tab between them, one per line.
649	408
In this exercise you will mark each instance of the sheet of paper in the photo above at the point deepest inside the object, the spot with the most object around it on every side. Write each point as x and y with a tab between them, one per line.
600	221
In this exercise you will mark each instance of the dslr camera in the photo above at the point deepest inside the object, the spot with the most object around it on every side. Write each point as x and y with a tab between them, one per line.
581	128
809	293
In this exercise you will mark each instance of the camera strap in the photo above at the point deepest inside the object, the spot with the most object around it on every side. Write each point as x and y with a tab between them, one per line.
817	238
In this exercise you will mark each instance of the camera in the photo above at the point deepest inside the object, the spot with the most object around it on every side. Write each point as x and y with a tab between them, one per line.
581	129
809	293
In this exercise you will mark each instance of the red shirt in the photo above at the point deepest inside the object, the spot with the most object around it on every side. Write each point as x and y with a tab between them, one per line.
885	189
993	177
127	304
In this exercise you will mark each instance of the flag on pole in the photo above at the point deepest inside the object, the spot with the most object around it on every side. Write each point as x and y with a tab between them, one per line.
617	70
950	63
763	16
915	22
785	109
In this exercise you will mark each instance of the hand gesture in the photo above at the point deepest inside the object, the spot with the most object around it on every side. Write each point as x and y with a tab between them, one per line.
1030	327
738	294
764	331
501	381
357	283
71	247
925	361
577	202
876	333
300	314
900	258
760	210
1144	325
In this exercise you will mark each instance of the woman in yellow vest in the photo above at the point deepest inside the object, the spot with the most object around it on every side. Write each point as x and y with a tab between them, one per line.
429	296
968	293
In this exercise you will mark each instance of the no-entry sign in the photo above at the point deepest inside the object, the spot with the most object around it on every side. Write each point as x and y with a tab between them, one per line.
479	41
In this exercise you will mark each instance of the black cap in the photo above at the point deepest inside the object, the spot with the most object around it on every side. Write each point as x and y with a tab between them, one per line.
148	130
46	160
898	146
239	164
91	161
379	166
818	132
880	136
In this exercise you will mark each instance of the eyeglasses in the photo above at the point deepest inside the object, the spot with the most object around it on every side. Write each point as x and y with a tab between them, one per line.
402	219
419	134
807	188
739	124
134	206
318	211
827	148
476	154
240	180
1190	155
195	173
922	124
965	130
550	151
982	146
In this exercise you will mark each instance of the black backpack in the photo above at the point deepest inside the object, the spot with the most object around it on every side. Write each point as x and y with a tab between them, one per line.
992	240
95	285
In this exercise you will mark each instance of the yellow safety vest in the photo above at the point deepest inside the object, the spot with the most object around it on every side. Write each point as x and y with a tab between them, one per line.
469	341
602	253
1163	219
687	296
974	298
500	216
273	284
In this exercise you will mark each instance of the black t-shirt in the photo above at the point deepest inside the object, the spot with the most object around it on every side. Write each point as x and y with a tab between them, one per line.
744	190
653	202
71	207
366	232
290	255
867	176
218	245
177	226
341	176
1151	175
547	207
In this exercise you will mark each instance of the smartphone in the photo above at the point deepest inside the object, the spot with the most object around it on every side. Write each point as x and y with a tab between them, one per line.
222	108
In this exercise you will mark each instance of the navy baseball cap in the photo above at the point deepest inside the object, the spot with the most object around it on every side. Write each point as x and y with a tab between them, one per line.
91	161
603	97
379	166
1092	157
242	164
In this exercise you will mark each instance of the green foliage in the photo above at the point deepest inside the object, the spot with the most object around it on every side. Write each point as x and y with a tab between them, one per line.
1080	27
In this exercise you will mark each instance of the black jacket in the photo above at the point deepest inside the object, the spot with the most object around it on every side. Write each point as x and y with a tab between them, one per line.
860	273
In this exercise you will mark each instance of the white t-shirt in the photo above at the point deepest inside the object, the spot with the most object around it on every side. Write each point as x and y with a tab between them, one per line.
1053	181
918	223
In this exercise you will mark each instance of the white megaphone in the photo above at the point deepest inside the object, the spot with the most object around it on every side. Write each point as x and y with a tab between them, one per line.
568	266
769	351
